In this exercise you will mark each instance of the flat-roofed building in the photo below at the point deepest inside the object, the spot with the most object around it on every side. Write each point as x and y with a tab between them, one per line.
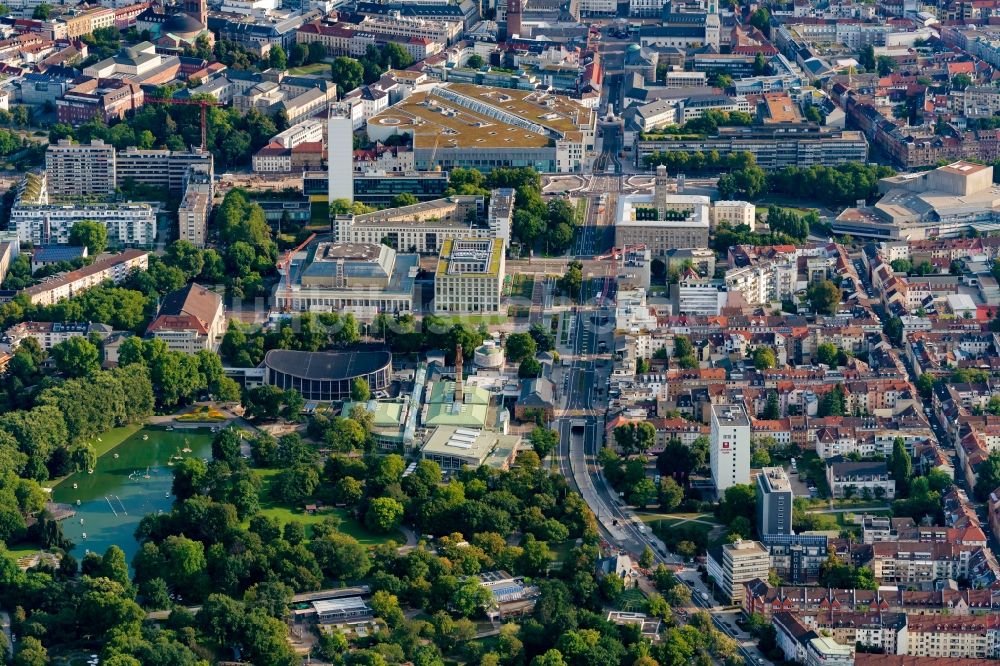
466	125
422	227
946	202
469	276
662	221
731	565
161	168
773	146
774	502
823	651
192	213
75	169
332	611
361	278
378	188
729	450
453	448
734	213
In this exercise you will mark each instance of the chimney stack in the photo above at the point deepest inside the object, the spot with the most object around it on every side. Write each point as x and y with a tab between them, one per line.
459	395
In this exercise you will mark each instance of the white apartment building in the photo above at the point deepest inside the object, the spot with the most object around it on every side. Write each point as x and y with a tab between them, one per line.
114	268
444	32
127	224
734	213
192	216
679	78
598	7
764	283
192	213
74	169
729	448
501	213
733	564
698	296
306	131
469	276
48	334
981	101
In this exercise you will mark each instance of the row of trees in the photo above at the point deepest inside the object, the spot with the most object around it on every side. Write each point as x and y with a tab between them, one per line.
349	73
245	348
132	305
405	335
233	137
683	162
546	226
707	123
839	185
790	223
52	438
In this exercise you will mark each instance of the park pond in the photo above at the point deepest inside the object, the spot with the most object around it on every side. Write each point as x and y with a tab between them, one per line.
130	481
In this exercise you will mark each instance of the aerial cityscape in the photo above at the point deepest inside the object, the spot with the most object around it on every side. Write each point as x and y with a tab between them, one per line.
500	333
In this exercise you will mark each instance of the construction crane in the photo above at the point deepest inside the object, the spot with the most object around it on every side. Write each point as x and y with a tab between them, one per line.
286	264
203	103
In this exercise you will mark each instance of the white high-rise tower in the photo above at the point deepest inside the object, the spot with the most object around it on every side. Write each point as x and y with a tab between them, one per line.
340	156
729	447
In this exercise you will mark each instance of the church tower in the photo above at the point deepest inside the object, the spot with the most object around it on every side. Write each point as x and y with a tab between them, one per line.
713	26
196	9
514	17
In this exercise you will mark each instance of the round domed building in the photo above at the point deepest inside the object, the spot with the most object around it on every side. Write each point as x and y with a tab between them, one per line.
183	28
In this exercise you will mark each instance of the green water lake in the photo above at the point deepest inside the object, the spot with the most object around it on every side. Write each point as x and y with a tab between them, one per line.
131	480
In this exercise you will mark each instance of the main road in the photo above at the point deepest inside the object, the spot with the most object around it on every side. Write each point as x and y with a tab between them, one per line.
581	424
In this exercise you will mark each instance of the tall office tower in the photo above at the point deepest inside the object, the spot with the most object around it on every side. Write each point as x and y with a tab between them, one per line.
729	451
340	156
774	502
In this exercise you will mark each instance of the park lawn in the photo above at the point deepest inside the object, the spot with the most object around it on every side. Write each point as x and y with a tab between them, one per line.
319	214
24	549
523	286
518	311
561	549
631	601
103	444
313	69
476	320
581	210
286	514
